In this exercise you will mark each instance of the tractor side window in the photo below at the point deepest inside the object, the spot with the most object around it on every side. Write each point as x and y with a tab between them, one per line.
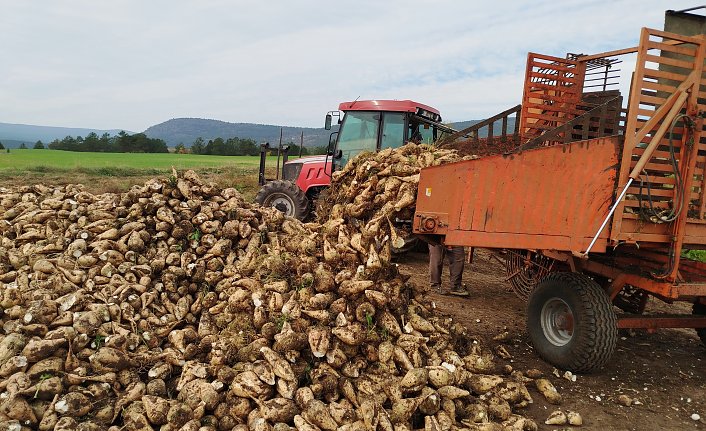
392	130
442	133
359	132
421	133
427	133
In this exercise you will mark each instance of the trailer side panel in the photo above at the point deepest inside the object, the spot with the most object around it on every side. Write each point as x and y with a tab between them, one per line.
547	198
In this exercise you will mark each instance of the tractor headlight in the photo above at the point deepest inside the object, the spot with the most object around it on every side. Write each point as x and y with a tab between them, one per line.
291	171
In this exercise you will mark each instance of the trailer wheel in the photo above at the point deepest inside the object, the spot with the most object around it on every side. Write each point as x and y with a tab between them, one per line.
571	322
286	197
700	309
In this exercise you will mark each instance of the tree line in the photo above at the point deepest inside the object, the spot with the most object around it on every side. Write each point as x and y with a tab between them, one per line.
121	143
39	145
239	147
223	147
140	143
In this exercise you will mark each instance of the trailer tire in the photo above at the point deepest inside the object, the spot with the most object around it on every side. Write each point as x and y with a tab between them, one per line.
571	322
700	309
286	197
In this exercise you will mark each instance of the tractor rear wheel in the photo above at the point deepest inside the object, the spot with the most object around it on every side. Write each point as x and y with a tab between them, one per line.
700	309
571	322
286	197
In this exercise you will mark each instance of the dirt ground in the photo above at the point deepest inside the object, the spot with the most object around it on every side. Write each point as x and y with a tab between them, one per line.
663	370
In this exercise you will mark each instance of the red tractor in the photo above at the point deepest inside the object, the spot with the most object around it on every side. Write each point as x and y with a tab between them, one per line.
366	125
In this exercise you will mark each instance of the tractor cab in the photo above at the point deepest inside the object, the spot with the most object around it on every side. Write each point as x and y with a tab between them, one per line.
373	125
364	125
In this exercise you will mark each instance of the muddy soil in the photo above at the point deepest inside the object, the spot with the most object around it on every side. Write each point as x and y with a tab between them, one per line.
665	371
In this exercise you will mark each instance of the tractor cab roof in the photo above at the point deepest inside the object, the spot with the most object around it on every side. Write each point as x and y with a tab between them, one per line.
392	106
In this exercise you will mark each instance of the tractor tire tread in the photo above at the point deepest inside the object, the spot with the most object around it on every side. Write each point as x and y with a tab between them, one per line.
299	199
597	326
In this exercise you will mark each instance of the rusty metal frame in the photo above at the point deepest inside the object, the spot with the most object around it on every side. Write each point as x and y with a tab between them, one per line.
660	321
607	125
639	131
607	54
552	91
489	122
665	290
648	255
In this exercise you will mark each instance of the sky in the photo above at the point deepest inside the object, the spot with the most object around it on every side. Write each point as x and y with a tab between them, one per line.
130	64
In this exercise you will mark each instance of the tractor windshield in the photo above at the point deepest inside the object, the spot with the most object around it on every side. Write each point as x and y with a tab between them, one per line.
359	132
372	130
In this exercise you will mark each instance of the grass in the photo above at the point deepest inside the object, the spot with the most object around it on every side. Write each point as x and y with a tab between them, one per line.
48	159
699	255
116	172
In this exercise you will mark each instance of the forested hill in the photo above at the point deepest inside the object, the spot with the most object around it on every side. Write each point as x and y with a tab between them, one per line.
14	135
186	130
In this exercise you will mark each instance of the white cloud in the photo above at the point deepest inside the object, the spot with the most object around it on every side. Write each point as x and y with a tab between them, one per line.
131	64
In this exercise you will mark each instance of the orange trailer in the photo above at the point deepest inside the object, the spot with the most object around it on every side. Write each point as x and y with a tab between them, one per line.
596	205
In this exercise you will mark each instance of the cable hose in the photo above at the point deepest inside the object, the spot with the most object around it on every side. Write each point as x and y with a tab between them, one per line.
668	216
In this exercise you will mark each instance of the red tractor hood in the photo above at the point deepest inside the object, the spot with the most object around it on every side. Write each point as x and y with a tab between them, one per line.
314	172
309	159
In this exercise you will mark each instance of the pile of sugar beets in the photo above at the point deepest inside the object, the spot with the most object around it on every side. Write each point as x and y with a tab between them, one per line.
179	306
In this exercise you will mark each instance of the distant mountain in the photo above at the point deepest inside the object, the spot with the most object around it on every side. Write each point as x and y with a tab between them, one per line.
13	135
11	143
186	130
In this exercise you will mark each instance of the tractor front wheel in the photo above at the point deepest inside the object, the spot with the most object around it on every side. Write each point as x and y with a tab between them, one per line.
571	322
286	197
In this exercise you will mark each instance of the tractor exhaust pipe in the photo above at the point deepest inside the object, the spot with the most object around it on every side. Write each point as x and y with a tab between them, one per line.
263	158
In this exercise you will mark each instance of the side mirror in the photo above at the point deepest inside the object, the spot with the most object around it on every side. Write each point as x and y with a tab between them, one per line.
338	154
331	143
327	125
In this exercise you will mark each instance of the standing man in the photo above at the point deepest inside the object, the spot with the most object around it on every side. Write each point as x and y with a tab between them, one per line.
456	257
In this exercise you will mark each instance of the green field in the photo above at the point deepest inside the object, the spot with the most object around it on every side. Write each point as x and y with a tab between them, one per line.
33	159
118	171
